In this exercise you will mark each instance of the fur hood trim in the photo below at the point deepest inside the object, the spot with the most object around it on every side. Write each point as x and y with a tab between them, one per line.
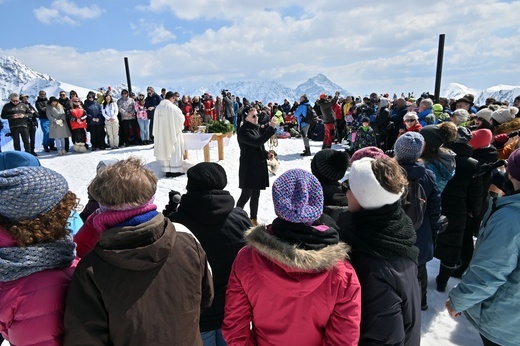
508	126
291	256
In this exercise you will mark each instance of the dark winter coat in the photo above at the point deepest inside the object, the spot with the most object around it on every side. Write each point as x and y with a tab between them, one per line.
94	112
384	258
220	228
334	199
152	101
365	137
483	156
10	109
326	110
41	106
462	195
252	173
427	233
140	285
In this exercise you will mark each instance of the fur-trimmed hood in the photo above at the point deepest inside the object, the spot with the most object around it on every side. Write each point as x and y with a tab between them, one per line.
508	127
290	256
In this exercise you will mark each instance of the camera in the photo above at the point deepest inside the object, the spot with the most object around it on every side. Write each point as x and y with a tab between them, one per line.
224	92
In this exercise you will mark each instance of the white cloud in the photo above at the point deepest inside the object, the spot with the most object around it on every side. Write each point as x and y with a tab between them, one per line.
155	32
65	11
361	47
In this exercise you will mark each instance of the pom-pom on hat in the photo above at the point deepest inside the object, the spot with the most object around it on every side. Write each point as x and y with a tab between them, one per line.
502	115
366	188
298	196
513	164
206	176
329	165
27	192
481	138
14	159
409	146
373	152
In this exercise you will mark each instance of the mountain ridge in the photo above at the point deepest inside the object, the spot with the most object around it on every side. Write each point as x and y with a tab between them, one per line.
17	77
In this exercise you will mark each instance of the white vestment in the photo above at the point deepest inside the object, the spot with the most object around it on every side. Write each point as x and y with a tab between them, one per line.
168	123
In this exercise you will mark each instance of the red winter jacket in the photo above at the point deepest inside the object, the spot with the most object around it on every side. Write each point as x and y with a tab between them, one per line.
287	304
78	118
32	307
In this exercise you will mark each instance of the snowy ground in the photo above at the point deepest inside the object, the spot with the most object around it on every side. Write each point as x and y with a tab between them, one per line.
438	329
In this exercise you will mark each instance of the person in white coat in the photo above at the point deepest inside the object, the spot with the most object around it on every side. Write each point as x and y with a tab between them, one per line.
110	111
167	132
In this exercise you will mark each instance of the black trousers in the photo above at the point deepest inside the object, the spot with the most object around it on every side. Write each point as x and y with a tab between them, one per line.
124	130
97	136
16	133
254	195
32	136
422	276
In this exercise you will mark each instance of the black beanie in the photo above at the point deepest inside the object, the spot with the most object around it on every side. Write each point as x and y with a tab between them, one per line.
433	136
329	165
206	176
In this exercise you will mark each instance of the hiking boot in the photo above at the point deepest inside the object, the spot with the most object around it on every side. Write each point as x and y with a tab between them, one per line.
254	222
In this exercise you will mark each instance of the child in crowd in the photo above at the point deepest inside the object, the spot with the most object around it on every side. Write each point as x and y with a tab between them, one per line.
365	135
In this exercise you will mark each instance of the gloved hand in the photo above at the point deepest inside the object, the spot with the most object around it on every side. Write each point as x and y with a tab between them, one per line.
173	202
59	122
500	140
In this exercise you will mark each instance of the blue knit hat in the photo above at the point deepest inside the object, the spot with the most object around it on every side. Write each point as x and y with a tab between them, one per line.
14	159
409	146
297	196
27	192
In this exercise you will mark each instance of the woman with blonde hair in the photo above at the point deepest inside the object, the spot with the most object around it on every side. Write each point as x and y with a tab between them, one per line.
58	129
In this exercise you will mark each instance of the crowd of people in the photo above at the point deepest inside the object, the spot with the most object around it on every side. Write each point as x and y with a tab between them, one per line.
343	262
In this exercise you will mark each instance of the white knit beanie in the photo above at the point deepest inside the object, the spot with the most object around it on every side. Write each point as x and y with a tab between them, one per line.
366	188
502	115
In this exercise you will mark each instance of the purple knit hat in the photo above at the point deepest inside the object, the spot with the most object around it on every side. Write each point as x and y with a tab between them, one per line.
298	197
513	164
373	152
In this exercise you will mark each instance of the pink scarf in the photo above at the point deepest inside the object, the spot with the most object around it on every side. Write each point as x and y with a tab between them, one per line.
101	220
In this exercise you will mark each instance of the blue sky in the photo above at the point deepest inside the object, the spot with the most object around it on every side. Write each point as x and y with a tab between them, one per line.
363	46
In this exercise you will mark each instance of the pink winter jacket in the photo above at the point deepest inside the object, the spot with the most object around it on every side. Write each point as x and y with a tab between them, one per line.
291	305
31	308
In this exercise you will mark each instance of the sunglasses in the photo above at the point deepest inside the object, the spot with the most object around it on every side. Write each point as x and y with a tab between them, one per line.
409	120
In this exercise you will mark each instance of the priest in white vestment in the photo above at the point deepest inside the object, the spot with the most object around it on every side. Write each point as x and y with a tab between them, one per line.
168	140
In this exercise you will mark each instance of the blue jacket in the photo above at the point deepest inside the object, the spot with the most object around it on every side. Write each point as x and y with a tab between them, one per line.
489	292
301	113
427	233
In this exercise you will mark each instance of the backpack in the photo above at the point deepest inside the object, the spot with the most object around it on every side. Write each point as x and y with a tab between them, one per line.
415	203
311	117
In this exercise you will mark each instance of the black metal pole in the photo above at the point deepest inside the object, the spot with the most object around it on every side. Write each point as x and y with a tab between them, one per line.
438	75
127	69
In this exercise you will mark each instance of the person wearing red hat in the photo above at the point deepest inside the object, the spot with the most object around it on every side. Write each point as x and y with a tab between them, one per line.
329	118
